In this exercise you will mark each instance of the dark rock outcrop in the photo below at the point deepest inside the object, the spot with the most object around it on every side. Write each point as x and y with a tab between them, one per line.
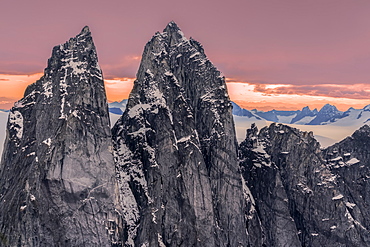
176	150
349	161
299	200
57	175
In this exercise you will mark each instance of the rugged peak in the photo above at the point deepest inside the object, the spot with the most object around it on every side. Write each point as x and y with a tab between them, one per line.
351	109
306	109
85	31
57	173
171	26
176	150
328	113
175	35
305	112
73	62
329	108
83	39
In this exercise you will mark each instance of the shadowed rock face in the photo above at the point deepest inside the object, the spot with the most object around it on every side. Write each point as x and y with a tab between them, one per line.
349	160
176	150
57	177
299	198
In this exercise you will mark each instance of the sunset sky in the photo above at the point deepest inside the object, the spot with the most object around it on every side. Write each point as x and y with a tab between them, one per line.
275	54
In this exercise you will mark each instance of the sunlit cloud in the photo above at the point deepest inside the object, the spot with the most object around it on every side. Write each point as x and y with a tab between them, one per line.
352	91
293	97
13	86
118	88
249	95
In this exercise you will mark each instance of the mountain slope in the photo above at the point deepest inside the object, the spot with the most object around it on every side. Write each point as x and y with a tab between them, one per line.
176	150
57	178
299	198
349	160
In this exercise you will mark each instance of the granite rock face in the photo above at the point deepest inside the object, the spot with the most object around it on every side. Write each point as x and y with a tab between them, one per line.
57	174
349	160
299	199
176	151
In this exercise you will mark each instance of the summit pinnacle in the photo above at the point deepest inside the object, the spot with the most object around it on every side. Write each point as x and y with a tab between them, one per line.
57	177
176	150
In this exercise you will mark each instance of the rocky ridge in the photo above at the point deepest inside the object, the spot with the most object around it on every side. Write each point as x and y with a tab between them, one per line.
299	199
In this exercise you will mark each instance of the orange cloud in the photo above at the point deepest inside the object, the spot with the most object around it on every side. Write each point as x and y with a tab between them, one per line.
352	91
13	86
293	97
248	95
118	88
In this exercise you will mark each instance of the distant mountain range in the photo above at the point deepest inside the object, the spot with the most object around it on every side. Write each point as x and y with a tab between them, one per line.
328	114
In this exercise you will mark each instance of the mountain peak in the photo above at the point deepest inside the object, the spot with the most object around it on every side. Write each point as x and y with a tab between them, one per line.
328	107
177	84
175	35
59	137
328	113
171	26
85	31
366	108
83	39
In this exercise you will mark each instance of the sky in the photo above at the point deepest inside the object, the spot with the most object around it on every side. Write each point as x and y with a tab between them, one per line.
275	54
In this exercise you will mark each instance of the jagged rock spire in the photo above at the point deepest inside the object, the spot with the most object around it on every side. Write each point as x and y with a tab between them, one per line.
175	149
57	178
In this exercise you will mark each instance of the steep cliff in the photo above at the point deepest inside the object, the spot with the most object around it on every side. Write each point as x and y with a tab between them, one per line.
176	150
299	199
57	177
349	160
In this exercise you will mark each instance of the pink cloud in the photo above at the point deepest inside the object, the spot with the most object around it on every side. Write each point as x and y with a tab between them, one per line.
352	91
